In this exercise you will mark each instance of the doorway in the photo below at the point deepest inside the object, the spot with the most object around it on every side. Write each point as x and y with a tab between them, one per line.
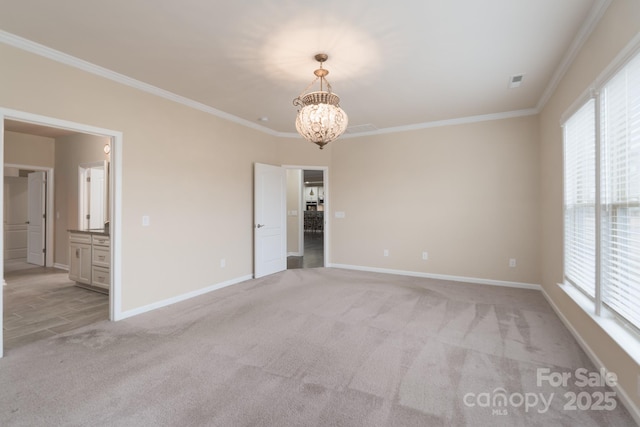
308	189
28	229
93	210
22	120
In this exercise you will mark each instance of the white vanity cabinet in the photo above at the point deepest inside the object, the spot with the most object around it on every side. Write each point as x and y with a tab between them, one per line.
101	261
90	260
80	257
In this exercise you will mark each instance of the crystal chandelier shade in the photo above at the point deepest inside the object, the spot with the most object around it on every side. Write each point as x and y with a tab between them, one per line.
320	118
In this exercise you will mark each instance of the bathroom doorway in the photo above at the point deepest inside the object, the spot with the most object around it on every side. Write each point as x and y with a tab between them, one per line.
14	125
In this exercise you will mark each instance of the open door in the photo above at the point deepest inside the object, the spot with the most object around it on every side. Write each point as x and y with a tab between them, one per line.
36	218
93	206
270	228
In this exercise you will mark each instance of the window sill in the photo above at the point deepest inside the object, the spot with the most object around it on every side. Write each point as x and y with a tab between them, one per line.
626	338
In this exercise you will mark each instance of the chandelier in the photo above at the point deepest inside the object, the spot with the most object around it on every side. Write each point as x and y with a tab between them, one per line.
320	118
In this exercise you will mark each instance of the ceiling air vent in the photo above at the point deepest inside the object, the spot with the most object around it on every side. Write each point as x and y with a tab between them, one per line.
516	81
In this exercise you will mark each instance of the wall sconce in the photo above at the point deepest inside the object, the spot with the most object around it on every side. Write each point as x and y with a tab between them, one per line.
107	148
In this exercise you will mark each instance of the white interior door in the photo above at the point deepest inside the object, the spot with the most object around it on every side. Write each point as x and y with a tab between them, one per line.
93	194
97	196
15	217
270	228
36	218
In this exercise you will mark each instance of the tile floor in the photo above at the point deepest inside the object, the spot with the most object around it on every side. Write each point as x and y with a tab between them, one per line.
40	302
313	253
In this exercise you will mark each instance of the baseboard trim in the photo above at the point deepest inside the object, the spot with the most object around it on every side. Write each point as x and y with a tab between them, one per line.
464	279
179	298
294	254
634	411
61	266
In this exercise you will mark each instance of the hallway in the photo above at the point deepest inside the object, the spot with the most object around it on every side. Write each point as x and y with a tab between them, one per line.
313	252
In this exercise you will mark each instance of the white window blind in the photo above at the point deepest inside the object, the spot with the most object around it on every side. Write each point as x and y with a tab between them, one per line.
580	199
620	192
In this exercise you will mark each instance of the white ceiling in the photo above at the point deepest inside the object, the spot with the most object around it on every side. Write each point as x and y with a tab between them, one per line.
395	64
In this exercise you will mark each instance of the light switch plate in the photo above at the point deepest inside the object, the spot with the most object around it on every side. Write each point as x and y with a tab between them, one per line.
146	221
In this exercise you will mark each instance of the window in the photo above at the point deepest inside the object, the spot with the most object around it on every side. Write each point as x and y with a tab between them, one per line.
620	192
602	196
580	199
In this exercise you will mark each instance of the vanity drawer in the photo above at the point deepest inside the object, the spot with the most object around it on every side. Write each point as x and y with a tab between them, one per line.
101	240
101	256
101	277
80	238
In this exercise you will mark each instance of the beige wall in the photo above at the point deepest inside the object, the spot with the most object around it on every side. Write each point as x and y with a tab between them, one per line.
32	150
71	151
467	194
619	25
190	172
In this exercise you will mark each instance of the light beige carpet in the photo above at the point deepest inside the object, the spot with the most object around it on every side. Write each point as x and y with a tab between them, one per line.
318	347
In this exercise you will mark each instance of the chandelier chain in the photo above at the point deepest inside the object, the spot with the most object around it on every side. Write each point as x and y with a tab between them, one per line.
308	87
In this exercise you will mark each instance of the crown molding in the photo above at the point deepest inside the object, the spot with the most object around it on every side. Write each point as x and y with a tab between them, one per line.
434	124
449	122
72	61
595	15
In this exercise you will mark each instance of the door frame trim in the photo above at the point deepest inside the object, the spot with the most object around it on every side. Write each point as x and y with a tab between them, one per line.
48	207
115	199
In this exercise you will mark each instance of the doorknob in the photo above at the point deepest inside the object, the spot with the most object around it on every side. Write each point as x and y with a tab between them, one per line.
260	225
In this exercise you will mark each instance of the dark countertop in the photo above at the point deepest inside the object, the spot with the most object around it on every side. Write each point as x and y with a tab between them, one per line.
96	231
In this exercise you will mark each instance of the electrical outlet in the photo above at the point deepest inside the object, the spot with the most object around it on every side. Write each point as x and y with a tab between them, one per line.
425	255
385	252
512	262
223	263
